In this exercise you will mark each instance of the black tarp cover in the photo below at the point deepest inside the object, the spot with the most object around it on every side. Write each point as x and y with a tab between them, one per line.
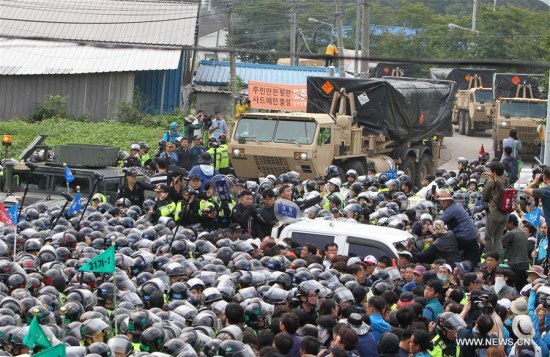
505	84
462	76
383	69
403	109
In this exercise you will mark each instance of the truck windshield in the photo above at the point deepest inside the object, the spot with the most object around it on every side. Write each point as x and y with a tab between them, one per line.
301	132
259	129
523	110
484	97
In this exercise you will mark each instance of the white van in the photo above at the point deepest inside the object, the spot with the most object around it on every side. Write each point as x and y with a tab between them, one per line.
353	239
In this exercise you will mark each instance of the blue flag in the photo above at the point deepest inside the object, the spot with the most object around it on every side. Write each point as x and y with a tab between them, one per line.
75	205
14	213
533	217
68	175
392	174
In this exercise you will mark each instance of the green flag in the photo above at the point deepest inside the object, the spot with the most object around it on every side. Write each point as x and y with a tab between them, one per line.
36	336
103	263
58	350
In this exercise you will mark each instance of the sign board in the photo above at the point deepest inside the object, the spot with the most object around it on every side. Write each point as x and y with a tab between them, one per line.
287	211
223	190
287	97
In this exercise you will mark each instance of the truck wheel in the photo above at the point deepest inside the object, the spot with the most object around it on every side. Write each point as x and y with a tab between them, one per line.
467	124
461	122
408	167
424	167
354	164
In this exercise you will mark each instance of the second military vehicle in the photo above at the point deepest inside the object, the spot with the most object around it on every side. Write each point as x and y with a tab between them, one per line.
352	123
519	105
473	106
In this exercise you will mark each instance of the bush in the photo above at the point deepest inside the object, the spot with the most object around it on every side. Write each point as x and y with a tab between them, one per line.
54	107
129	113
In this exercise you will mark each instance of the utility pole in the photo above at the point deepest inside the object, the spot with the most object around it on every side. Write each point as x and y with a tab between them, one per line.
357	38
232	66
365	39
547	130
474	16
293	54
340	39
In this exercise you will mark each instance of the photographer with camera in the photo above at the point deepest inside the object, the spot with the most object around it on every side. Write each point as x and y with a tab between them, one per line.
540	315
193	125
475	341
496	220
541	193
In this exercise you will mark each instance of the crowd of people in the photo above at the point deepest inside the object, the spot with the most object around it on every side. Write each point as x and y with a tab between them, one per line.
198	271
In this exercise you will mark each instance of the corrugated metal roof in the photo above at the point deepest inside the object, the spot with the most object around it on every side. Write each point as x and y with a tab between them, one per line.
217	73
129	21
26	57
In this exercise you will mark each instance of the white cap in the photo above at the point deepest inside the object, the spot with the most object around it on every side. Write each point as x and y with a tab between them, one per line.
134	147
506	303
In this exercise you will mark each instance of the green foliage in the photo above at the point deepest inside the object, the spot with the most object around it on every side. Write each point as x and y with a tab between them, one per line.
129	113
63	131
54	107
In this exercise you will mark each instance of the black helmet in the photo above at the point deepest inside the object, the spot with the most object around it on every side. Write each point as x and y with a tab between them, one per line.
380	286
99	348
16	281
277	262
138	322
152	339
450	321
73	311
120	344
173	346
332	171
232	348
177	291
93	326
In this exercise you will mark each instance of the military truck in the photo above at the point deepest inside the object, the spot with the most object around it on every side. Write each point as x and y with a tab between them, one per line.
87	163
352	123
519	105
472	110
391	69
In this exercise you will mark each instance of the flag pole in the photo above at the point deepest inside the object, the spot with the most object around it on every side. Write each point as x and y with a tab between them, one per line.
68	189
63	312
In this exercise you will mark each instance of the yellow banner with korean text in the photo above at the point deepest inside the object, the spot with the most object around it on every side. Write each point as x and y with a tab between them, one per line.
287	97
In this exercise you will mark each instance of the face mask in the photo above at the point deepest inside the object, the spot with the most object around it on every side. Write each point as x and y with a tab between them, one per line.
442	277
499	284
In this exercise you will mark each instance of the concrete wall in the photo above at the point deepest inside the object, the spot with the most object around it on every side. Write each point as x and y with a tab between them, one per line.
212	102
94	94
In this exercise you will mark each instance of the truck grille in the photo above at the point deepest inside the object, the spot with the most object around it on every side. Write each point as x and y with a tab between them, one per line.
271	165
527	134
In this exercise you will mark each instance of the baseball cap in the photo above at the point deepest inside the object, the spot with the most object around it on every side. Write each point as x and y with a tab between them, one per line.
513	219
196	137
134	147
469	278
173	125
170	144
419	270
371	260
506	303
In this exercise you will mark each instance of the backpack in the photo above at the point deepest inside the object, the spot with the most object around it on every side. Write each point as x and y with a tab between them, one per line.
506	200
512	169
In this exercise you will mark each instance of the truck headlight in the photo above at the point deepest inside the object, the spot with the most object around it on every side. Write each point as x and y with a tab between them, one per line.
504	124
480	109
238	152
300	156
303	156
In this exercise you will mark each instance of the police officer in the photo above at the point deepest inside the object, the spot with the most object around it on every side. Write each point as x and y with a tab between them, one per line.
133	159
132	189
444	341
164	206
224	155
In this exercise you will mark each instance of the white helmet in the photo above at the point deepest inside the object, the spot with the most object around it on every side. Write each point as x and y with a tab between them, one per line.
335	181
427	216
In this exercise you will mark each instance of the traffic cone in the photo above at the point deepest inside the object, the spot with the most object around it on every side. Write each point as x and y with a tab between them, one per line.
482	150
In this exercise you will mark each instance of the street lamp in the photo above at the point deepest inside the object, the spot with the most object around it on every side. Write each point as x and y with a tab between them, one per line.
457	27
312	20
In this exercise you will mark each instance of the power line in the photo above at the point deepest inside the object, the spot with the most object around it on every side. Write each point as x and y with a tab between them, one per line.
286	54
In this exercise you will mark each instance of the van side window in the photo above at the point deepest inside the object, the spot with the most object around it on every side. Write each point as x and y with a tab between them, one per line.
324	136
361	248
318	240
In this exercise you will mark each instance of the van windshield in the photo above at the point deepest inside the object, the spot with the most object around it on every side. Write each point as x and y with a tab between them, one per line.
258	129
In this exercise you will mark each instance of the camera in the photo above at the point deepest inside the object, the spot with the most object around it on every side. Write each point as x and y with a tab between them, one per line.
482	303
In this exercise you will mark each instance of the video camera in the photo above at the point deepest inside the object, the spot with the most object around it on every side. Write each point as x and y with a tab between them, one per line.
482	303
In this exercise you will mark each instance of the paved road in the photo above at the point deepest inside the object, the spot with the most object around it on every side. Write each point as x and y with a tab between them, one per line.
467	146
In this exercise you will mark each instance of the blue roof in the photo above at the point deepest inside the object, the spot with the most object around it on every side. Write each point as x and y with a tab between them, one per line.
216	73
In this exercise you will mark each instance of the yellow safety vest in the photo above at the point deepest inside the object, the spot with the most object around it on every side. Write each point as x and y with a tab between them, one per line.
439	346
168	209
331	50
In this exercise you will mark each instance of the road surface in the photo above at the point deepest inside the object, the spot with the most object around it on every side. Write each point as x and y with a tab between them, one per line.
466	146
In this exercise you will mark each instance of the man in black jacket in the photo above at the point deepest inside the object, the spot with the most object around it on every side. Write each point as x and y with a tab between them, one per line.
244	212
184	154
266	214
